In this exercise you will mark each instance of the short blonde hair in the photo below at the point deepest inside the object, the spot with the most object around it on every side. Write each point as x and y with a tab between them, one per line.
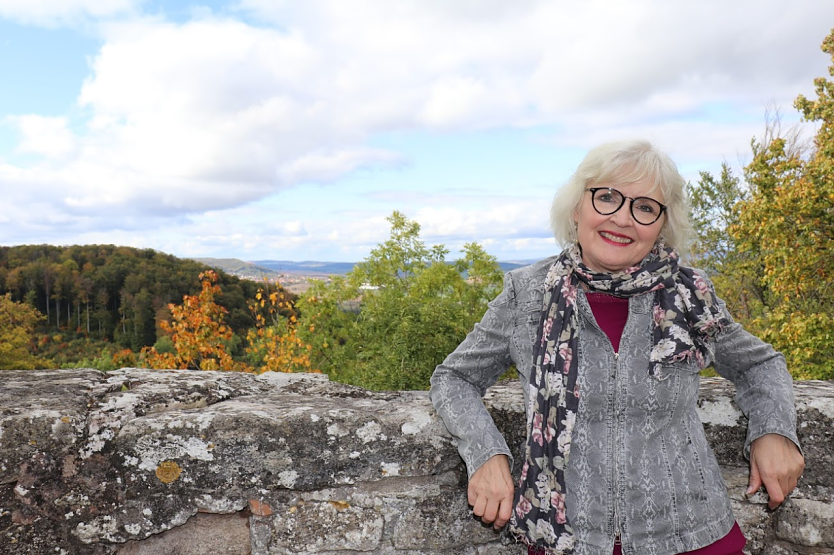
628	161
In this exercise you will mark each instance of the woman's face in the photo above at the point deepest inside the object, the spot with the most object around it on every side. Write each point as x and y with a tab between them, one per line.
615	242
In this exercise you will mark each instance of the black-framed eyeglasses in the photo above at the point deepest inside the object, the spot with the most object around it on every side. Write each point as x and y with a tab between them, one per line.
644	210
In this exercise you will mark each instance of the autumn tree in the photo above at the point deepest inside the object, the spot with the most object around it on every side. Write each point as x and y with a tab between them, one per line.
274	344
17	325
787	225
198	332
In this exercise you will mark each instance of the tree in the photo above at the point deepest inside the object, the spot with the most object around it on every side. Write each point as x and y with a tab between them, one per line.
198	333
715	210
17	325
787	224
274	344
399	312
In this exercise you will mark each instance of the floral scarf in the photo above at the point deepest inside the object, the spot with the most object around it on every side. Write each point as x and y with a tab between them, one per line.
686	318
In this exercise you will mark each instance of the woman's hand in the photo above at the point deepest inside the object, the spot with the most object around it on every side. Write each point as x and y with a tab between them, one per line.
491	491
776	462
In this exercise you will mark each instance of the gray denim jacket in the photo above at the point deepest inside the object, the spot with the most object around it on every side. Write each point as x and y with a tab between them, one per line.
640	464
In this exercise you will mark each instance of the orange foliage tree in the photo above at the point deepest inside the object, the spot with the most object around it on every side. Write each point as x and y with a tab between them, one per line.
198	333
274	344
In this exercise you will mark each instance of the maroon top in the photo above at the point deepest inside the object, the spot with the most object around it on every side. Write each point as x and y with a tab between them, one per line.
611	314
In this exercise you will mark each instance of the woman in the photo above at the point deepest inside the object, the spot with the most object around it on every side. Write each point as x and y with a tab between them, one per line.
608	338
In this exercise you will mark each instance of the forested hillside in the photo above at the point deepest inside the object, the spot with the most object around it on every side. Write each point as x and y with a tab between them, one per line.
110	294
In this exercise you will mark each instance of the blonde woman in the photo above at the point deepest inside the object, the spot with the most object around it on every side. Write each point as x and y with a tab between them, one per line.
608	338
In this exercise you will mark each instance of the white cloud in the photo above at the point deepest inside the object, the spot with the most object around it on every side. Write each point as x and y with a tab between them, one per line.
451	100
329	166
293	228
500	226
51	13
46	136
555	58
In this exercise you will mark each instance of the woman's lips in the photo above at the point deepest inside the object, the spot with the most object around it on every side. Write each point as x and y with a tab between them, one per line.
615	238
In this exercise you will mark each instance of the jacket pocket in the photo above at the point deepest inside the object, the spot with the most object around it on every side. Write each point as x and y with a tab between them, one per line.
684	369
525	328
528	319
663	395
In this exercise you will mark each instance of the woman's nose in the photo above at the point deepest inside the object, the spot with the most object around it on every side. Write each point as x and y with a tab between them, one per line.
622	217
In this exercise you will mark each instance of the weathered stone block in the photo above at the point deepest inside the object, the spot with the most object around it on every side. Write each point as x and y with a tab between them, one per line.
441	523
316	527
202	534
807	522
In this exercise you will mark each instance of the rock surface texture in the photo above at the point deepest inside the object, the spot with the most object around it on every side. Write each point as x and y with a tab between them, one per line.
185	462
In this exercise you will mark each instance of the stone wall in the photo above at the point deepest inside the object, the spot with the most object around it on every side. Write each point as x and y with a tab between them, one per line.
147	462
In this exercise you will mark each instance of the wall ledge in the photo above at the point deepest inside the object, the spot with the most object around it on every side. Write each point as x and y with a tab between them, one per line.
143	462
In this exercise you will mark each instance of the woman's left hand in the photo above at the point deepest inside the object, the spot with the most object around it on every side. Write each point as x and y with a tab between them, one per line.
776	462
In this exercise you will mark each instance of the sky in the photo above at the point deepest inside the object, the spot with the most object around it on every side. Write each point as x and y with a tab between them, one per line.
290	130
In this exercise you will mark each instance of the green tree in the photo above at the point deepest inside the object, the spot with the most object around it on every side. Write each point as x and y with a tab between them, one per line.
715	210
96	295
399	312
17	325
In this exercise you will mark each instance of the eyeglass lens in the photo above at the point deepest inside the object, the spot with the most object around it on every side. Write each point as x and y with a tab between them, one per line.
643	209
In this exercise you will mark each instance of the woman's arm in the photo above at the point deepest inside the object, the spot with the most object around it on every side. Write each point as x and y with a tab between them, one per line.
764	392
764	388
457	389
459	383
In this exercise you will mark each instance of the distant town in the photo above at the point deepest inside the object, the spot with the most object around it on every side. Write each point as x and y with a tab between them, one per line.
297	283
296	277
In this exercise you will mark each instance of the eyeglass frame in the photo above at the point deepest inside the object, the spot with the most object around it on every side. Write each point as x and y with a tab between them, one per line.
594	190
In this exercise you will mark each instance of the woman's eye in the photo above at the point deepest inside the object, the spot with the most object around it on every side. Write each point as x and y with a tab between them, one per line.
646	207
606	197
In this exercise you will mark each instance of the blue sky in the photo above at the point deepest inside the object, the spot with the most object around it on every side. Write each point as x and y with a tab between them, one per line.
267	129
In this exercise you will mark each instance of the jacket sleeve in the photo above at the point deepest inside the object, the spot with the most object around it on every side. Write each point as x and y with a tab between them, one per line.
460	382
764	388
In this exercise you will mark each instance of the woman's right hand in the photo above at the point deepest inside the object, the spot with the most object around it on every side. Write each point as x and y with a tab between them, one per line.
491	491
